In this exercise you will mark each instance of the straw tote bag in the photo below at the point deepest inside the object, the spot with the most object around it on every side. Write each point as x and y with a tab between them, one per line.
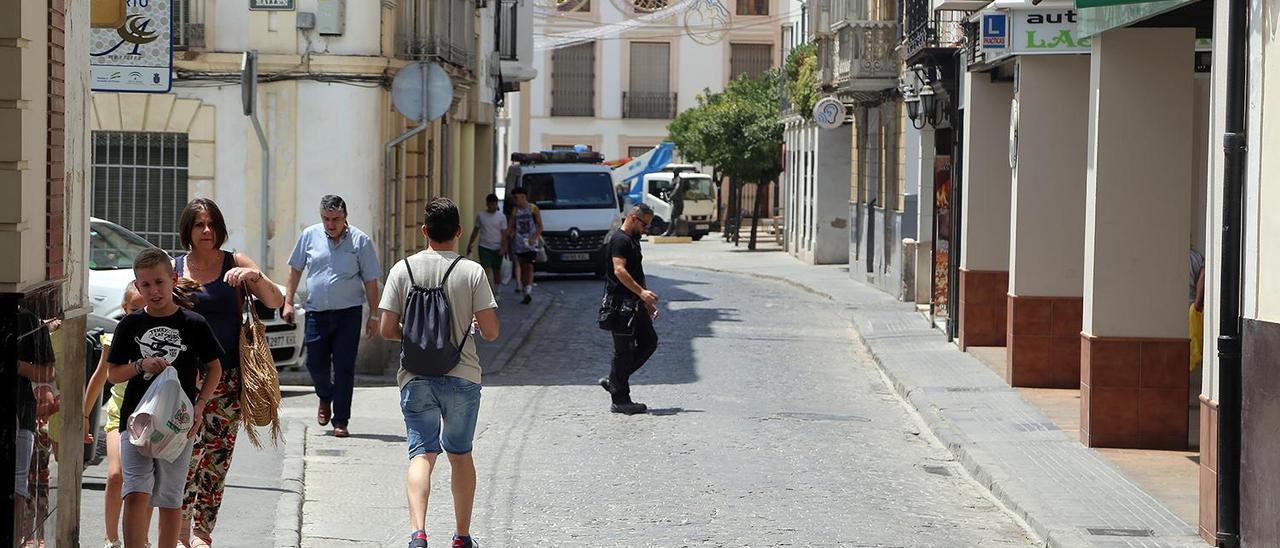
260	384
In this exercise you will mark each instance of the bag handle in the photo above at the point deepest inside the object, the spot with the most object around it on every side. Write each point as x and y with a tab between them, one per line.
246	305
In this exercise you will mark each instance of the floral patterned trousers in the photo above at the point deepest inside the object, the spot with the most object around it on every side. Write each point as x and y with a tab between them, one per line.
211	456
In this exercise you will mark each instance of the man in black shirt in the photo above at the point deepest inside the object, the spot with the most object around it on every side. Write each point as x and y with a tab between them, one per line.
35	369
626	281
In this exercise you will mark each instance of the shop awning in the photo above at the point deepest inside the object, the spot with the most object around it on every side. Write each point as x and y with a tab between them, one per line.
1098	16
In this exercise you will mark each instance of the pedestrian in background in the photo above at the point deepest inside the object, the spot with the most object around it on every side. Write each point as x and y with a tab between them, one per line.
36	373
440	412
525	226
626	284
223	277
342	275
148	341
490	229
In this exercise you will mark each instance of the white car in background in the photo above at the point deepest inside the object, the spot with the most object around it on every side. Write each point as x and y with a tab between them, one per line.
111	252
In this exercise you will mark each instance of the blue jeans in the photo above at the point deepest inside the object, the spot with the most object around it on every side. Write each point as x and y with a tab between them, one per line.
332	338
440	413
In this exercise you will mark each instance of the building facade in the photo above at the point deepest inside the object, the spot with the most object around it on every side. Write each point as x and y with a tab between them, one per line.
325	105
615	72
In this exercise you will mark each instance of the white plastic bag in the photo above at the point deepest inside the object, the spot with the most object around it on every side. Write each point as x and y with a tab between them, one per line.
507	272
159	425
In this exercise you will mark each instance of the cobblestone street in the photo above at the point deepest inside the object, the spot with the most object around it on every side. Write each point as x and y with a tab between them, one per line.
769	426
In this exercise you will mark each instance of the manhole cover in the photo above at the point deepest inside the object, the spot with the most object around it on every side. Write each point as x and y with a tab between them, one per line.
330	452
1118	532
823	417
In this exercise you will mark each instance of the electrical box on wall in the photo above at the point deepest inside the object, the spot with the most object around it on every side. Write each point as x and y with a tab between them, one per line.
331	17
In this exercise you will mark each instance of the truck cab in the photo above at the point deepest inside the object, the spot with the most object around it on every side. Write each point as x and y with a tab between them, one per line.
656	189
575	195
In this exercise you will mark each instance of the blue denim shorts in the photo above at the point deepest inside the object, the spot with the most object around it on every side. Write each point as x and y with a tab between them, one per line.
440	414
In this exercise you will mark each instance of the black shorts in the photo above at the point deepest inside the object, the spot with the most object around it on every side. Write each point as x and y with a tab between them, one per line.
528	257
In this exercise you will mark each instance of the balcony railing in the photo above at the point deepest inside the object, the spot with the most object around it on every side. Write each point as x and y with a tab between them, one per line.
865	50
508	27
188	24
441	30
925	29
660	106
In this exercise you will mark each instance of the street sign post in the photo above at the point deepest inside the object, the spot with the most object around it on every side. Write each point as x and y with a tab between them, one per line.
422	92
136	55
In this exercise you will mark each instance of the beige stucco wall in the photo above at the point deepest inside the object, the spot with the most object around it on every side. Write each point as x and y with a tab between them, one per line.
987	177
1264	228
1140	173
1046	255
23	108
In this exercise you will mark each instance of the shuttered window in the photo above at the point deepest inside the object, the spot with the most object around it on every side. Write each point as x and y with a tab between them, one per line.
649	94
750	59
753	7
573	80
140	183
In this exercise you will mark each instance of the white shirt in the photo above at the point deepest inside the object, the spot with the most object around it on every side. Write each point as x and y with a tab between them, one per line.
492	225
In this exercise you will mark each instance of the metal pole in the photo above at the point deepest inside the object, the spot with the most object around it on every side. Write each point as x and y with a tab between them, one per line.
266	189
389	181
1230	394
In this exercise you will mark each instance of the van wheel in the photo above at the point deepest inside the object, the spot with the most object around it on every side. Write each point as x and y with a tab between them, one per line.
698	237
657	227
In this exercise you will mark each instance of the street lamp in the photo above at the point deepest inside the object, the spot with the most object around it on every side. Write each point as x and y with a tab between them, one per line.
928	104
912	101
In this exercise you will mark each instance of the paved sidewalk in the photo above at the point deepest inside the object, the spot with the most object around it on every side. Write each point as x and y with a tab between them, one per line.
1069	494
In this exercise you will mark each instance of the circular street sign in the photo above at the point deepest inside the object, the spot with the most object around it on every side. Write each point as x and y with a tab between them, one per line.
422	91
829	113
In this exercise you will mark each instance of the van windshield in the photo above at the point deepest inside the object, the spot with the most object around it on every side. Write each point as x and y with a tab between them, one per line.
699	189
581	190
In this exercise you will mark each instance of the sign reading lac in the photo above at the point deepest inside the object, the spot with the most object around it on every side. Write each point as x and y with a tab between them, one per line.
1048	31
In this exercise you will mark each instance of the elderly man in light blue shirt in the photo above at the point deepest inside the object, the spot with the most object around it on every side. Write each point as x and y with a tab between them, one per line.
342	275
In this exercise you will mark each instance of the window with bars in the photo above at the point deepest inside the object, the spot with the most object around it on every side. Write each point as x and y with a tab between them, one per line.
140	183
636	152
753	7
750	59
573	80
650	93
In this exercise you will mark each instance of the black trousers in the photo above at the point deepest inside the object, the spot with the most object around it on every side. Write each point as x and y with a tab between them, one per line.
630	352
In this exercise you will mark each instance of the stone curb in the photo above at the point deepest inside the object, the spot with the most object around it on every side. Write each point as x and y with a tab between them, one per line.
989	476
509	349
288	528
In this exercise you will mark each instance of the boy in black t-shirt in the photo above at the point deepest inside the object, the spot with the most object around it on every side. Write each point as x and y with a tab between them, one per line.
146	342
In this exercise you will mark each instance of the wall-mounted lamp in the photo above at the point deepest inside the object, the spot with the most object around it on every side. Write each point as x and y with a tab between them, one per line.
922	105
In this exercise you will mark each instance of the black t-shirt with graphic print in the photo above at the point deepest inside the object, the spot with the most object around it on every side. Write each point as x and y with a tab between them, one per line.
183	339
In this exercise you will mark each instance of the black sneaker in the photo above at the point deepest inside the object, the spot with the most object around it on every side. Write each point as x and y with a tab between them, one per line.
464	542
527	299
418	539
606	385
628	408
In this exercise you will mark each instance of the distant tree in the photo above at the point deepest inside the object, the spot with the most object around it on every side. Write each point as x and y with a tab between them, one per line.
738	133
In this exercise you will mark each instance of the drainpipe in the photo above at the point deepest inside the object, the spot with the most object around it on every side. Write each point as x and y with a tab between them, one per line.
1229	367
267	262
389	182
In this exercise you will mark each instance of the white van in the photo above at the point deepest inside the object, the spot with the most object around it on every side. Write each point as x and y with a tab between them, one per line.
574	191
699	200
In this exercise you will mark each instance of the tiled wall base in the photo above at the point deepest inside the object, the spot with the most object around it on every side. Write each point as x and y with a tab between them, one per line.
1208	469
983	308
1259	444
1044	341
1133	392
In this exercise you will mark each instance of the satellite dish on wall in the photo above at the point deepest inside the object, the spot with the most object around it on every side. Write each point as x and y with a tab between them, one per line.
422	91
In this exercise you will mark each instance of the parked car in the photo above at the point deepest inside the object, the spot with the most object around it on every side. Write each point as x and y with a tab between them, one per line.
111	252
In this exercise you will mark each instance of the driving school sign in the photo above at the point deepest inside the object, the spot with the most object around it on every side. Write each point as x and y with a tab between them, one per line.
137	56
1037	32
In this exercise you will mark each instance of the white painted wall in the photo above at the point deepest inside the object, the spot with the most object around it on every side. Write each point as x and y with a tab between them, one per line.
1046	249
1140	173
987	177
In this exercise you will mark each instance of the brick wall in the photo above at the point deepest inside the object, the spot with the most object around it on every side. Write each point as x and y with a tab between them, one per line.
56	171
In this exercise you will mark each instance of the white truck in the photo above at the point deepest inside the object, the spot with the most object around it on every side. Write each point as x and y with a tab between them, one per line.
657	190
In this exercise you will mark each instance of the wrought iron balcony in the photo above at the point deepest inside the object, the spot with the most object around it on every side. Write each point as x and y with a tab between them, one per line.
660	106
188	24
509	26
864	50
925	29
437	30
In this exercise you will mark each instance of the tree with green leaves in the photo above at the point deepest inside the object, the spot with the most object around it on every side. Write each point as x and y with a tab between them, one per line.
737	133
